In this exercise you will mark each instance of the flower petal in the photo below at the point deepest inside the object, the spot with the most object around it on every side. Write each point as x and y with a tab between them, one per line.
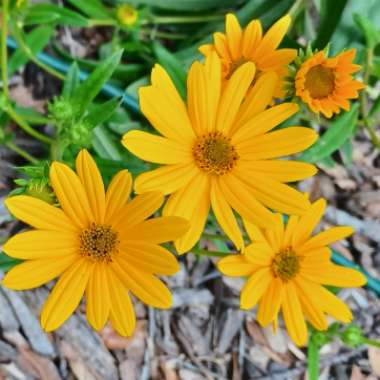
65	296
235	266
277	59
39	214
157	149
33	273
270	303
98	296
93	185
225	216
234	35
148	257
71	194
259	254
42	245
251	38
254	288
166	179
117	194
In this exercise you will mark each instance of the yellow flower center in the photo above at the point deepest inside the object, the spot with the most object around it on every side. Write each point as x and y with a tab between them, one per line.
127	15
320	81
214	154
235	65
98	242
285	264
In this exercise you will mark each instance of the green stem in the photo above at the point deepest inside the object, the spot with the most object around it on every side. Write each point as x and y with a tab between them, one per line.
18	34
371	342
21	152
4	52
183	20
105	22
297	8
204	252
26	127
313	359
161	34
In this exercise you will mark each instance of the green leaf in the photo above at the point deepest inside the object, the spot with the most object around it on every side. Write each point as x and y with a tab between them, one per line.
173	66
102	112
372	36
48	13
36	40
92	8
186	5
330	14
375	107
339	131
7	262
71	81
88	90
346	152
104	144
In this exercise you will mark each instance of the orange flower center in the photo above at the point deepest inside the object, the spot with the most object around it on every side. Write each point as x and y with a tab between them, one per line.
285	264
235	65
98	242
320	81
213	153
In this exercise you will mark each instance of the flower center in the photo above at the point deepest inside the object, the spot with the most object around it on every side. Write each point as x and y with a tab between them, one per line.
285	264
213	153
235	65
98	242
320	81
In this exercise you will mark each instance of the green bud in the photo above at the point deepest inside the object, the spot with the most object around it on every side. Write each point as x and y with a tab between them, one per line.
352	336
80	134
320	338
61	110
40	189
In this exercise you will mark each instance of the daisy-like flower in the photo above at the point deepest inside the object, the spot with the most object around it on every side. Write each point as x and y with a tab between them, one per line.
98	243
326	84
287	268
220	150
238	46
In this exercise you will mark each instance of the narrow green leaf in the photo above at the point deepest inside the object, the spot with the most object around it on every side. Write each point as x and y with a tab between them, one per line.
88	90
104	145
36	40
7	262
346	152
375	107
92	8
336	135
372	36
102	112
36	17
71	81
186	5
173	66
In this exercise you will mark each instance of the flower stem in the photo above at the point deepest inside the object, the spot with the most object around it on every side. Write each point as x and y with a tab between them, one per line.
21	152
371	342
313	359
4	52
183	20
105	22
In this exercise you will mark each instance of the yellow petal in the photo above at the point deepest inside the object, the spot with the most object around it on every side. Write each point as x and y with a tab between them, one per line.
270	303
166	179
257	99
315	258
259	254
251	37
225	216
254	232
220	41
33	273
277	59
138	209
98	296
39	214
93	185
192	203
117	194
273	36
65	296
71	194
293	317
254	288
42	245
308	222
241	199
235	266
327	237
147	257
144	286
234	35
157	230
279	143
275	234
232	96
291	226
164	108
263	122
206	49
122	313
157	149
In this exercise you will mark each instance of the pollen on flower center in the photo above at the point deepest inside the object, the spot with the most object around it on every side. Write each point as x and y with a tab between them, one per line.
320	81
214	153
98	242
285	264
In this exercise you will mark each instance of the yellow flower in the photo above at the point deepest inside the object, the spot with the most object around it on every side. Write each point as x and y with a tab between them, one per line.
238	46
326	84
127	15
219	150
287	268
98	242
